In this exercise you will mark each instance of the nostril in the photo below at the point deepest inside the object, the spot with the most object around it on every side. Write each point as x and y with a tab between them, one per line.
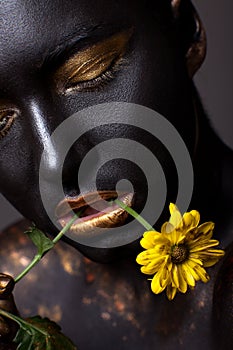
70	173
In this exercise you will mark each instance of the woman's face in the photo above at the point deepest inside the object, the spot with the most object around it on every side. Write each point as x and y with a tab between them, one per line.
58	57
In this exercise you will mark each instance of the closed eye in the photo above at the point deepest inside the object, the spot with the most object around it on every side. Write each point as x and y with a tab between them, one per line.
92	67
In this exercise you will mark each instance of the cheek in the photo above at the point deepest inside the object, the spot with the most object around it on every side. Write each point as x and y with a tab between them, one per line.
160	82
18	180
154	75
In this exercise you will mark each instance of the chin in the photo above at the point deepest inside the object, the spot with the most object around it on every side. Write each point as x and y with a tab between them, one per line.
107	255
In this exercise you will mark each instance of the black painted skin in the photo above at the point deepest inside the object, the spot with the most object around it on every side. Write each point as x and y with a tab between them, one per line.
155	75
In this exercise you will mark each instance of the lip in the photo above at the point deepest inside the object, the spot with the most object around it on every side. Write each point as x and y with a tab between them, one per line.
92	221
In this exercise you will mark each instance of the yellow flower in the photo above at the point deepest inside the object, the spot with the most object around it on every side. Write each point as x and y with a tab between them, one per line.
177	256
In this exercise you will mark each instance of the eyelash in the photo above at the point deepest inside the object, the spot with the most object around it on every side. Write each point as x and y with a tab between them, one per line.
99	82
6	121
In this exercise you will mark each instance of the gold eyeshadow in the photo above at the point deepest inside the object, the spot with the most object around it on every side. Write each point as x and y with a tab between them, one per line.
88	65
7	118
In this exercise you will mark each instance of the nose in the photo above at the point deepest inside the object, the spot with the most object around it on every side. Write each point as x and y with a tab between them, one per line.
51	153
41	134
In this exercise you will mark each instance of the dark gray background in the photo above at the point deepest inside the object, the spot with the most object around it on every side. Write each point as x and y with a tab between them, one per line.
214	80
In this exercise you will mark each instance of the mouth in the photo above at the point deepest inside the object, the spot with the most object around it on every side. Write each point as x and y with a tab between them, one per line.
96	215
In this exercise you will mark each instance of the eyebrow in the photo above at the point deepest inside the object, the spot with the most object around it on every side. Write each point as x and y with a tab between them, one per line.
69	44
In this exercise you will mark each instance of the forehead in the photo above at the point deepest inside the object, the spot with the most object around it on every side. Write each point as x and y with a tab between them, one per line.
31	29
31	24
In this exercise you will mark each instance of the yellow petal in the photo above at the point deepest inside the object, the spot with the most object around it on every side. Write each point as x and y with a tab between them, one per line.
191	235
146	256
181	236
155	283
200	236
196	217
198	240
204	246
182	283
155	286
148	271
142	258
188	275
187	218
149	238
202	273
167	227
205	228
169	264
211	257
215	252
171	292
190	265
172	208
176	217
146	244
174	275
172	236
195	259
153	266
176	237
210	262
191	219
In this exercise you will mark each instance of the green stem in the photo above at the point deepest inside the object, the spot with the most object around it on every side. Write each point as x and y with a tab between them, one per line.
35	260
66	228
134	214
38	257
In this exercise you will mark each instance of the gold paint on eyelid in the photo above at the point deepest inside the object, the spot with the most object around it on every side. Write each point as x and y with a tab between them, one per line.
90	63
7	117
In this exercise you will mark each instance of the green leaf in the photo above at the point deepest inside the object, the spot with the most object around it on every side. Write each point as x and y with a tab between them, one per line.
42	242
38	333
24	339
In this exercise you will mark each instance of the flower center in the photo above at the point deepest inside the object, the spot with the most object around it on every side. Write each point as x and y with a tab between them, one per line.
179	253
